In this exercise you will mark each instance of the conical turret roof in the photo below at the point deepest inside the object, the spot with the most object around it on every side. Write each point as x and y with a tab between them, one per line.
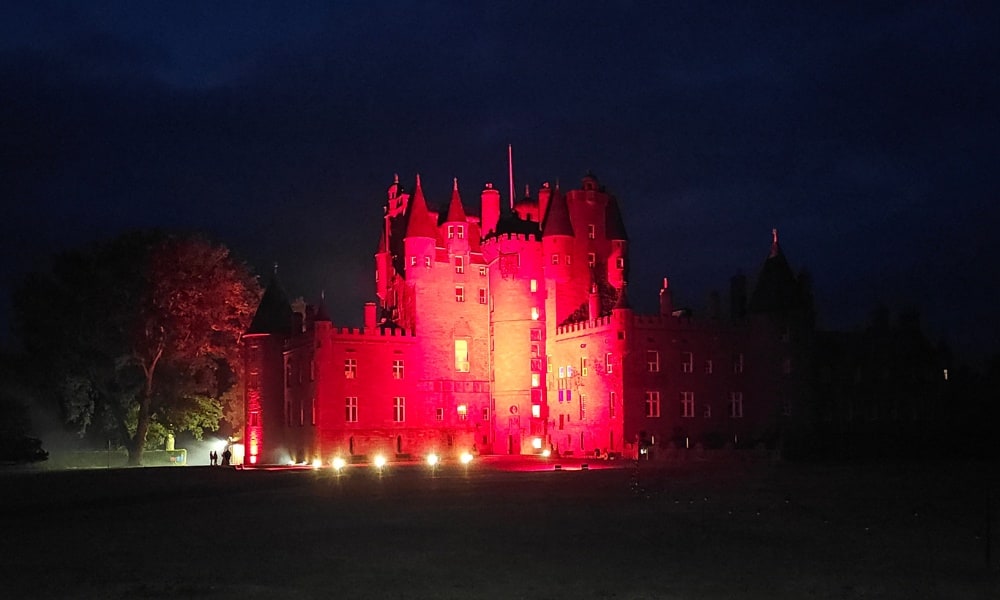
614	225
274	313
777	288
557	216
420	224
456	213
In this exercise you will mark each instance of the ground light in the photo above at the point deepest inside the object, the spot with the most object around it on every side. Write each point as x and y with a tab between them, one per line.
317	463
338	463
466	458
432	462
379	463
546	453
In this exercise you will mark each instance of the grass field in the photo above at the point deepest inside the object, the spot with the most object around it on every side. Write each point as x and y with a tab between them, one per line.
690	530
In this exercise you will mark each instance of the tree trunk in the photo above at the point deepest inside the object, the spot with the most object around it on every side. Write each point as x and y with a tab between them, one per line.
142	423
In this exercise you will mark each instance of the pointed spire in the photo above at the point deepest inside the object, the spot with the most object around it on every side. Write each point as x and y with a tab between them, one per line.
777	288
455	211
775	248
556	220
274	313
421	224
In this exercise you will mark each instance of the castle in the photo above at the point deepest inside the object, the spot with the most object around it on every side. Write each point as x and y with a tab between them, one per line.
513	334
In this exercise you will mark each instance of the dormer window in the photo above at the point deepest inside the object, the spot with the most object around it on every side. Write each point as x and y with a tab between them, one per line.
460	232
460	264
451	231
591	231
427	262
591	259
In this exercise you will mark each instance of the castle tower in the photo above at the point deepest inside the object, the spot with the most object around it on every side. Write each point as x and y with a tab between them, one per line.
490	198
264	392
517	335
557	250
419	249
614	228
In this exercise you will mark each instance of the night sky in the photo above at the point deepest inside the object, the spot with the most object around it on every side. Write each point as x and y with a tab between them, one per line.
867	136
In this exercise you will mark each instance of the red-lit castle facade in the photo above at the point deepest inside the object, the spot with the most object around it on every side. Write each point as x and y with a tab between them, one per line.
513	334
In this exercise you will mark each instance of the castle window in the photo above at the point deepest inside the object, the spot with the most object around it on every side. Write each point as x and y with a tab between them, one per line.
536	365
350	368
460	232
399	409
562	372
652	361
555	259
738	363
427	262
583	366
652	404
313	409
591	259
534	313
351	409
413	261
439	414
536	335
612	399
736	405
482	295
536	352
462	356
451	231
708	367
619	263
533	285
608	365
707	411
536	380
459	293
397	369
591	231
536	411
687	362
482	271
687	404
463	412
312	370
486	414
460	264
562	421
569	259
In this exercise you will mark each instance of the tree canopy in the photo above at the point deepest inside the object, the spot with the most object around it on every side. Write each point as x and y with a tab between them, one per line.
138	336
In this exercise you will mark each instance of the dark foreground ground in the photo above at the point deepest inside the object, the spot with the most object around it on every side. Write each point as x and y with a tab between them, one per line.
695	530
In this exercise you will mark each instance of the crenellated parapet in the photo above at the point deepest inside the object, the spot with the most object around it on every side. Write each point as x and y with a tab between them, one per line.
376	332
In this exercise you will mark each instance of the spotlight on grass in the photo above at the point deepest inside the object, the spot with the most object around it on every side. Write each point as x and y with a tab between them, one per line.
466	458
432	459
317	463
338	463
379	462
546	453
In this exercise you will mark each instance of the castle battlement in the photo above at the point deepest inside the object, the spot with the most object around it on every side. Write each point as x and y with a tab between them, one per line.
373	332
583	325
517	237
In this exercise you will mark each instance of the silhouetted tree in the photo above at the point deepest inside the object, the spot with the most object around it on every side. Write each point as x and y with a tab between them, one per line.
139	335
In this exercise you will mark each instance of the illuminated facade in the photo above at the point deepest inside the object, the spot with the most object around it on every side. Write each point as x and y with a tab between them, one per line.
513	334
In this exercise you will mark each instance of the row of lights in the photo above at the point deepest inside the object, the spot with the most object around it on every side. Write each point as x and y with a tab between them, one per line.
380	461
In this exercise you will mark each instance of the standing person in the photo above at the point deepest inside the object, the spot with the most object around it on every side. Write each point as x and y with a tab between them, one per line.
226	457
213	458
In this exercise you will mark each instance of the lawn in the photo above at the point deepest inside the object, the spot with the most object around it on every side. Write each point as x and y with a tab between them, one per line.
685	530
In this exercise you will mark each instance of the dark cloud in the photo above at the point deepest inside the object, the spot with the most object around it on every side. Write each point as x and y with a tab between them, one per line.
866	135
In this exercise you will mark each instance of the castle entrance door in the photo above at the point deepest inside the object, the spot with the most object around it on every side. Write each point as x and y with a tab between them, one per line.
513	435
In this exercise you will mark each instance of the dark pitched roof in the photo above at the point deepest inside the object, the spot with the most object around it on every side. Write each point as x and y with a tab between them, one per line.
556	220
777	288
274	313
321	313
420	222
614	226
455	211
511	224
